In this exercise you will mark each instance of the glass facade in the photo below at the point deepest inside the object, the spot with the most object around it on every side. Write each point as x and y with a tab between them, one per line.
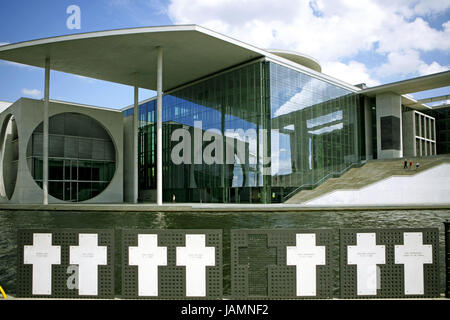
253	134
81	160
316	131
215	124
442	125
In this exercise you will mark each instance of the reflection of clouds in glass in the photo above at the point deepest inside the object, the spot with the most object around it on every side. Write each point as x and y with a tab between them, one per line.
289	127
248	136
334	116
299	101
310	153
281	162
296	91
305	98
280	153
238	174
328	129
252	179
283	166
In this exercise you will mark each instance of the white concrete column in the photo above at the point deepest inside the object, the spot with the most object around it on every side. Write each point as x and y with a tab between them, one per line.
159	79
135	140
45	135
408	134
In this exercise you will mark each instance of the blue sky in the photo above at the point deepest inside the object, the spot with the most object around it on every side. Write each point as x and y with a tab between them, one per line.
371	41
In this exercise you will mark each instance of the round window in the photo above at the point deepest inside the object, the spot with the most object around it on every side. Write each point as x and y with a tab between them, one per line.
81	157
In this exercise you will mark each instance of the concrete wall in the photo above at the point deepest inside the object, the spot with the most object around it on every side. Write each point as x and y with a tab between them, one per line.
408	133
7	176
8	157
388	107
424	188
28	114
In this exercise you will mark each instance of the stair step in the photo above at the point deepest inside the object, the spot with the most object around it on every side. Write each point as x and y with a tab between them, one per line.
370	172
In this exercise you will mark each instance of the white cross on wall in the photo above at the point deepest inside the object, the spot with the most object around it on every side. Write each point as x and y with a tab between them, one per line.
88	256
147	256
195	256
306	256
42	255
413	254
366	255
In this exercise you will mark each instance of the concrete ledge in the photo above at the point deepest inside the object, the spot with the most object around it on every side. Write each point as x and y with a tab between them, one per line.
12	297
210	207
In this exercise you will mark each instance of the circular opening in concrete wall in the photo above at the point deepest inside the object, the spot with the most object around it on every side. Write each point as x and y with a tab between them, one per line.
9	149
81	157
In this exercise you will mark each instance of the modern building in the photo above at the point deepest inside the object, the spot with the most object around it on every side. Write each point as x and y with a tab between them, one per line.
85	153
231	123
441	114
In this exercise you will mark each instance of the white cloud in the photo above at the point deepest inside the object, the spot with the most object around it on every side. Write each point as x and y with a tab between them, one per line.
330	30
412	8
400	63
35	93
417	35
3	43
303	99
430	6
434	67
328	129
439	103
354	72
404	63
343	29
297	102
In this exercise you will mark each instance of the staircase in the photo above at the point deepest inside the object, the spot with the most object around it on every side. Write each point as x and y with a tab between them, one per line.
372	171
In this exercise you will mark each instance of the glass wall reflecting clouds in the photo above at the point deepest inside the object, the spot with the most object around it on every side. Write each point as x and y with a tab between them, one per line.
315	130
250	135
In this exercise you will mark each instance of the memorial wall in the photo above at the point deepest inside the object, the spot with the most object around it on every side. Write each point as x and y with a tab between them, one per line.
265	264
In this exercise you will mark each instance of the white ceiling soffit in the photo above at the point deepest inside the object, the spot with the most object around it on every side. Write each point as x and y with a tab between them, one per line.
190	52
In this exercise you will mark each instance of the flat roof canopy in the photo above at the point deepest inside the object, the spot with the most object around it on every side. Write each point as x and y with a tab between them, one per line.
299	58
428	82
404	87
189	52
